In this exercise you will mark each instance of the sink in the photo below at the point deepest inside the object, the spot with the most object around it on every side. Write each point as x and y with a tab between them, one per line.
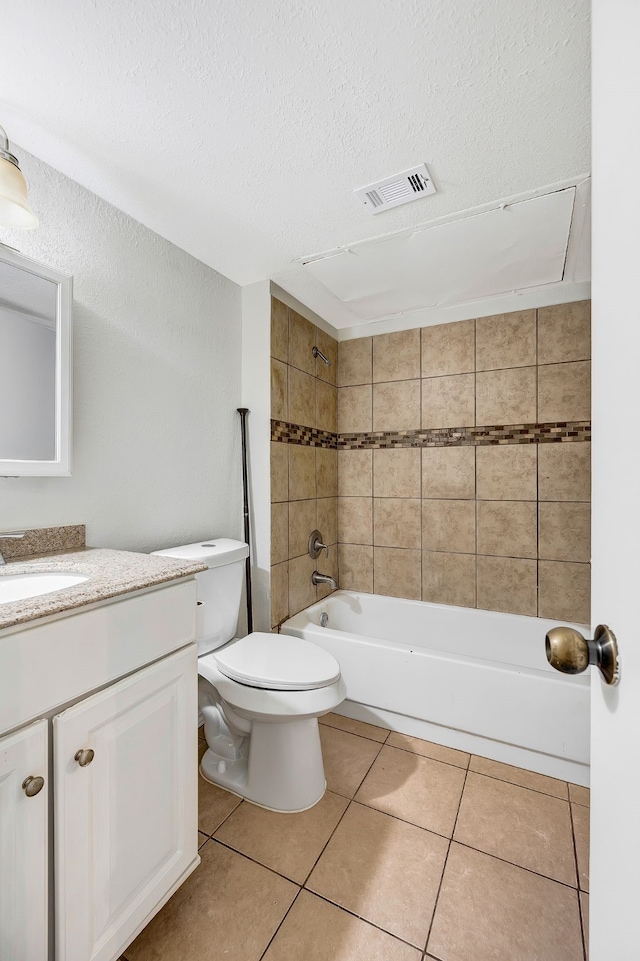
18	587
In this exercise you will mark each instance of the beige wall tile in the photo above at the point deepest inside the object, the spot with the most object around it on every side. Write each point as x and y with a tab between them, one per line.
564	332
327	407
506	340
507	528
565	531
449	525
507	472
355	567
329	347
396	356
564	472
354	409
396	522
302	398
396	406
396	473
507	584
449	578
279	330
279	471
448	348
355	523
302	472
448	401
302	521
302	592
328	519
565	591
279	593
355	364
449	472
326	472
506	396
564	391
279	533
279	391
355	473
301	340
396	572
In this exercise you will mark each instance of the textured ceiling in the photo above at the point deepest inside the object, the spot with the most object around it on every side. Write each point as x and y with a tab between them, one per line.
238	130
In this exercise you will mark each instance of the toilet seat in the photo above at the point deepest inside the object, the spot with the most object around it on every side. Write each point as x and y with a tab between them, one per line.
277	662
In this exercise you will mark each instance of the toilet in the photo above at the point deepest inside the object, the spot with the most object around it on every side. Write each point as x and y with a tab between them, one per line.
260	696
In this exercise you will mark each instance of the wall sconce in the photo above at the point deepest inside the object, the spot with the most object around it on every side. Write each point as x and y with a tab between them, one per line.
14	204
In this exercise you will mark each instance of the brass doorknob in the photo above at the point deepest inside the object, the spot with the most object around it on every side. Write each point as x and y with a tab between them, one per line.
32	785
571	653
84	756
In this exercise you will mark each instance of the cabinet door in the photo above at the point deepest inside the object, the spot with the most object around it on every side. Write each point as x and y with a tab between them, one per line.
23	844
126	821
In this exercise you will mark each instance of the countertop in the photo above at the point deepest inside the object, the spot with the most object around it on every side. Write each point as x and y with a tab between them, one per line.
111	573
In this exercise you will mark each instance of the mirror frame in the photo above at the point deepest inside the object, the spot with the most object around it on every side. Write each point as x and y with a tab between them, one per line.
60	466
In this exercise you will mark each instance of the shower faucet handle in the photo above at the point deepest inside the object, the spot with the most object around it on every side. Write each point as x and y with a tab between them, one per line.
316	545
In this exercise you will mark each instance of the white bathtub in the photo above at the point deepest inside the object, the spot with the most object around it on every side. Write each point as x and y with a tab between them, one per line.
474	680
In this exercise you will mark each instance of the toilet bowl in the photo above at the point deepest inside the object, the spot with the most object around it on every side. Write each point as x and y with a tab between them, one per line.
259	696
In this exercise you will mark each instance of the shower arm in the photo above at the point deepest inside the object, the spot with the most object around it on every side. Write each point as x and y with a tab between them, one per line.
318	353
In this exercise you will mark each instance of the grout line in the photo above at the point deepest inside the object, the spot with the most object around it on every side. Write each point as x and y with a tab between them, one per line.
496	857
583	929
274	935
324	847
444	866
525	787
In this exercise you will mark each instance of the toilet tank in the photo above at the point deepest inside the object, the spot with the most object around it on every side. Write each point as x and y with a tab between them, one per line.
219	589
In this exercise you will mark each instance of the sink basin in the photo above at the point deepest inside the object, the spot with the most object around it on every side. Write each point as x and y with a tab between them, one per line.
18	587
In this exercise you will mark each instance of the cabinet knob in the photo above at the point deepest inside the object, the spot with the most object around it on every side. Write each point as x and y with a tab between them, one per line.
32	785
84	756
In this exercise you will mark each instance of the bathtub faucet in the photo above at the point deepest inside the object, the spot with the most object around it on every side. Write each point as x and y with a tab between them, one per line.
318	578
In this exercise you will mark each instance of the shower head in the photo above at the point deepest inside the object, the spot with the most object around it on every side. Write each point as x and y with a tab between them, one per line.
318	353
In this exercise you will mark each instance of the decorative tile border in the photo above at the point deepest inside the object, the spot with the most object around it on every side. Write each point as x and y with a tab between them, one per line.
305	436
549	433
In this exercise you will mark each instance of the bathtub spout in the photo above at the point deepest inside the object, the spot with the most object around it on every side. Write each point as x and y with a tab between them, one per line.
318	578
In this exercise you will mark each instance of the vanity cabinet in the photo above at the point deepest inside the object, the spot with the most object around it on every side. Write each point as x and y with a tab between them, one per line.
24	821
120	793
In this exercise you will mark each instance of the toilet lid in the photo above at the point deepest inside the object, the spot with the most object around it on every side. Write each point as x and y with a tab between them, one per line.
277	662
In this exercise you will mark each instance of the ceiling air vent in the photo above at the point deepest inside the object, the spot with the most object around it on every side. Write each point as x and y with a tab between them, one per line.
402	189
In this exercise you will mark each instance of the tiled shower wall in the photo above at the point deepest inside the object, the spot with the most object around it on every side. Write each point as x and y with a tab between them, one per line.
464	463
304	478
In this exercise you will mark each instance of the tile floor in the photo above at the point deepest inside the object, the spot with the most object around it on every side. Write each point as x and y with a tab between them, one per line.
416	852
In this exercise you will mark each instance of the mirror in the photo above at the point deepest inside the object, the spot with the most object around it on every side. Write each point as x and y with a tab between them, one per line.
35	372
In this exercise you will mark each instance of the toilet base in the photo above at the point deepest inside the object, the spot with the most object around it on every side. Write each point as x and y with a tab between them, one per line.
283	770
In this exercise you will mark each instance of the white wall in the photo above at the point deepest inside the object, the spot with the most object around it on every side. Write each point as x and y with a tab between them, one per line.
157	368
256	395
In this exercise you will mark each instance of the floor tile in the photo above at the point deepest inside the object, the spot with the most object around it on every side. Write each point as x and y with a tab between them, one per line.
214	803
414	788
584	910
428	749
317	931
489	910
288	843
579	794
580	815
352	726
228	908
384	870
518	775
527	828
347	758
202	839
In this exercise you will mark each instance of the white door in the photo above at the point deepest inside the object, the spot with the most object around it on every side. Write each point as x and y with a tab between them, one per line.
125	763
615	721
24	818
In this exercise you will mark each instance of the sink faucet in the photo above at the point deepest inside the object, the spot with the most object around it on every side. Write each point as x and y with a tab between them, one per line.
12	536
318	578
